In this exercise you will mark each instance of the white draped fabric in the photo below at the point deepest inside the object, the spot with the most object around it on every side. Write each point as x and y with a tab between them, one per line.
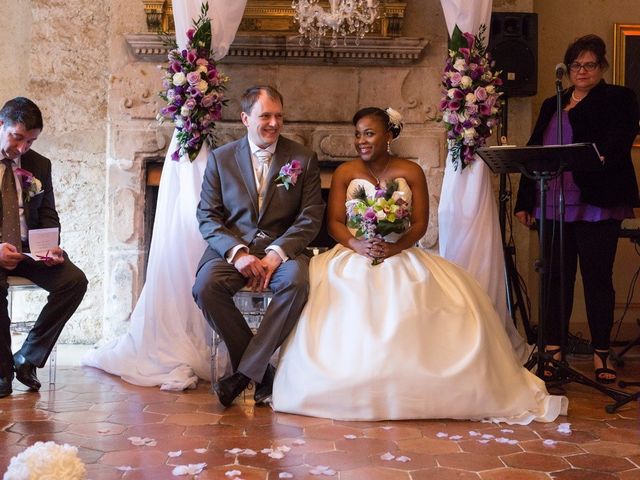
467	214
166	343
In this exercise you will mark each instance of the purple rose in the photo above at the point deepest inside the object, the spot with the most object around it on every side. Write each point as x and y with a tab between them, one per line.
192	56
193	78
207	101
190	33
370	215
481	94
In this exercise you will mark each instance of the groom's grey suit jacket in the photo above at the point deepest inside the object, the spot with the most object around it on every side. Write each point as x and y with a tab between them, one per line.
228	210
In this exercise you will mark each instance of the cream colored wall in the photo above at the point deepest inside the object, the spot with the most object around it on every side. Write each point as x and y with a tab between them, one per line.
55	53
559	23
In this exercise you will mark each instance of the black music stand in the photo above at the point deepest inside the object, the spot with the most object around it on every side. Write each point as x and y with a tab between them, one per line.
543	164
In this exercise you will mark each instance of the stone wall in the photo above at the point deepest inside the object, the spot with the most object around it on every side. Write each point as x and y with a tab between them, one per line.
99	101
57	56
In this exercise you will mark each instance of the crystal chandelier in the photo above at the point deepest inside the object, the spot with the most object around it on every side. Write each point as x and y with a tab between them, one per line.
346	17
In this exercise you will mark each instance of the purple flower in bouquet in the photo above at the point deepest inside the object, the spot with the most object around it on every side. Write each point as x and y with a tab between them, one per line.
469	105
289	173
193	88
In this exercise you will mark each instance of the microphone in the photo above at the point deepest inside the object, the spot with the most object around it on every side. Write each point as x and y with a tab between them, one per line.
561	71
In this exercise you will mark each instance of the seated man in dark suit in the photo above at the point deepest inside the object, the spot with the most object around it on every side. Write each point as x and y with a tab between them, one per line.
27	202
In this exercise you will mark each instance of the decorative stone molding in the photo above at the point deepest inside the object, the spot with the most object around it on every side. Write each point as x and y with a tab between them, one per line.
257	49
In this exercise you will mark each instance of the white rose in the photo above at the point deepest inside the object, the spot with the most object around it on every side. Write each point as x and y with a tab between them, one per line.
490	89
184	111
460	65
380	215
470	98
466	81
469	133
203	86
38	185
179	78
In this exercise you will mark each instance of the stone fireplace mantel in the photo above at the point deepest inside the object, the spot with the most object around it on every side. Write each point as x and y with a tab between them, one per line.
257	49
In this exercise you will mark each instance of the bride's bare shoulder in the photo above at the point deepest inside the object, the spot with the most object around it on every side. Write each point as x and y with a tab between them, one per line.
348	171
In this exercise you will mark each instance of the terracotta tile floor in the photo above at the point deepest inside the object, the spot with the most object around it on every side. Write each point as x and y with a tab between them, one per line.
98	413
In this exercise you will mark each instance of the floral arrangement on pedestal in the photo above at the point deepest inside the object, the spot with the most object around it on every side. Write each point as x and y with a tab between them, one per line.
193	88
44	460
470	104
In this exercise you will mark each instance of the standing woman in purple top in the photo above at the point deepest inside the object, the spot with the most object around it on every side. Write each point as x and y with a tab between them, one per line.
595	202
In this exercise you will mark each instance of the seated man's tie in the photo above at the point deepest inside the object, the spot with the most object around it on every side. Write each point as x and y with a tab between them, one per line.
10	213
262	170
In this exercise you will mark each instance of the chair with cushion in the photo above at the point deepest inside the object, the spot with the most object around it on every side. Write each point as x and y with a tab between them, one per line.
19	284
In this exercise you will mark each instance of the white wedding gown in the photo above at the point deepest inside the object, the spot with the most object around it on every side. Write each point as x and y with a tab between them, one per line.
413	337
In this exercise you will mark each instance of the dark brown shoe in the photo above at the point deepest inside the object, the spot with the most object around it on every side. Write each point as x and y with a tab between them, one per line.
26	372
265	388
228	388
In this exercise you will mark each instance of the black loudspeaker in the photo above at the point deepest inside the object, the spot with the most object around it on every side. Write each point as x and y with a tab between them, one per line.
513	44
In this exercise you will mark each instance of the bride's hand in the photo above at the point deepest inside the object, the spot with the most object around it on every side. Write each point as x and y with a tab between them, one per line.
362	246
381	249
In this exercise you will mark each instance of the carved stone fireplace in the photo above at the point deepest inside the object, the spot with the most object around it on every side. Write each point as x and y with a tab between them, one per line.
322	89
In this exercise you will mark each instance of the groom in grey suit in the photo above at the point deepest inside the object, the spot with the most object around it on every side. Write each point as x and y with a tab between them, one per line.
259	209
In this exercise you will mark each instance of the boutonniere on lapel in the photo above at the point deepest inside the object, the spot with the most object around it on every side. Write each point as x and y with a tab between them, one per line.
289	173
31	186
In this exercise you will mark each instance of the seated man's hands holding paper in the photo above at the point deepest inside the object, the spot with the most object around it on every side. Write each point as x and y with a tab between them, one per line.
53	257
9	256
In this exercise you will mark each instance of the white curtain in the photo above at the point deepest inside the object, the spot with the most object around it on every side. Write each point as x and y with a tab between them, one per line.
166	343
467	214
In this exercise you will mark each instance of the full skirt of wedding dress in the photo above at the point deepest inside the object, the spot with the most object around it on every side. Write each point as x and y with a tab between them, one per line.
414	337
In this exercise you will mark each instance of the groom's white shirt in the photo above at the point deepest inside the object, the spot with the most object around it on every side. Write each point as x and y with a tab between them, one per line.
254	161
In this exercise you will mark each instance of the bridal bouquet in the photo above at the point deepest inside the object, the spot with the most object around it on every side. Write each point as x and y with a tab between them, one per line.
193	88
470	103
379	215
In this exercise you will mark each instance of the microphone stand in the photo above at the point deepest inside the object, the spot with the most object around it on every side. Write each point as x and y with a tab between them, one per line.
560	140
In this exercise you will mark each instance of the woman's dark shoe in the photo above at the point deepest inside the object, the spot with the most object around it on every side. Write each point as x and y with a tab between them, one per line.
549	371
602	374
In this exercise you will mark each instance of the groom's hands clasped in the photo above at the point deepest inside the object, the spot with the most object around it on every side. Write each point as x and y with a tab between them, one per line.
257	271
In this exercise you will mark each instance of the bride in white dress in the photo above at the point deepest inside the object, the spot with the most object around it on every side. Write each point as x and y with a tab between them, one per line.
412	337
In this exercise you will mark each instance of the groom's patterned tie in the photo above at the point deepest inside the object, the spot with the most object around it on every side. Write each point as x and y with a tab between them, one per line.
10	213
262	169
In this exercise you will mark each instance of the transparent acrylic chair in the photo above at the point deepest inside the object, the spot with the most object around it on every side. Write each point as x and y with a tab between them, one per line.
19	284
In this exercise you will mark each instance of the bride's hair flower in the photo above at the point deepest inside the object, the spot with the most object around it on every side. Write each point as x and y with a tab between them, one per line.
469	105
395	121
193	88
